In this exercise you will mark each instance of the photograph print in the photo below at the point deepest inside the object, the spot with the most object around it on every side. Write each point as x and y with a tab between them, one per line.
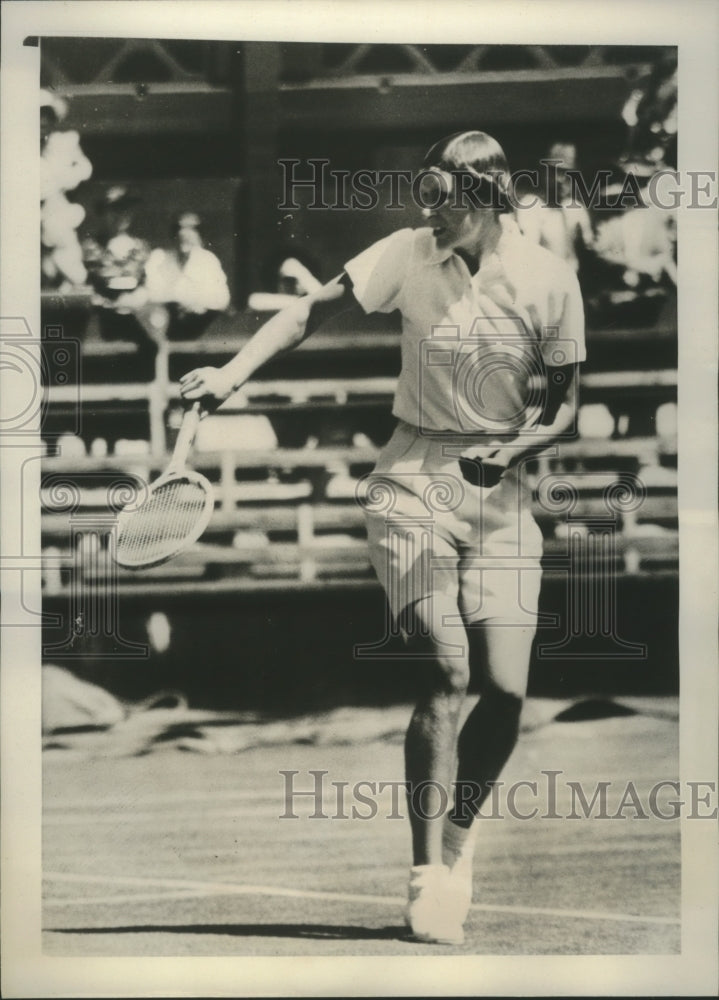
359	498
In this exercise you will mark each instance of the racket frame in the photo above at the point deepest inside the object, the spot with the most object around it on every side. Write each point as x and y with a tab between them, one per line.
176	470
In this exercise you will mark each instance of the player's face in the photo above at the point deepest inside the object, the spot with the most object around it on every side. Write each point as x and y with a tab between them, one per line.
454	226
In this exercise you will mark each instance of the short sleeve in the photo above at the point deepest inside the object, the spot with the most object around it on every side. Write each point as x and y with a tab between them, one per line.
565	343
379	273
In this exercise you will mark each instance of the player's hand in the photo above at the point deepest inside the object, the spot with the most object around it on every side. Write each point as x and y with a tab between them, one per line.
211	385
484	465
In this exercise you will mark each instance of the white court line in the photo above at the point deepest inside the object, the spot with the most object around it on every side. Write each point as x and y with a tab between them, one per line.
238	889
162	798
138	897
129	816
250	807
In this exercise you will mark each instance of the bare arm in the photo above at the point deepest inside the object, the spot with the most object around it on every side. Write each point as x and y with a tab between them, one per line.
484	465
281	333
558	417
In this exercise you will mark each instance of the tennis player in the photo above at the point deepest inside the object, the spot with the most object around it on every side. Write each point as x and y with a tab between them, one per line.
486	316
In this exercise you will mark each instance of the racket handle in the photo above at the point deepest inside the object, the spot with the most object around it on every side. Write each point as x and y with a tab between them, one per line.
185	437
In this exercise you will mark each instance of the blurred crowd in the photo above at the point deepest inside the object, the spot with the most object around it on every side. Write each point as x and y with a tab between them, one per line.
622	244
166	291
173	291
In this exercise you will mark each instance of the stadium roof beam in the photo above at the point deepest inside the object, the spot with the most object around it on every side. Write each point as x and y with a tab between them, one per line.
409	100
135	109
398	100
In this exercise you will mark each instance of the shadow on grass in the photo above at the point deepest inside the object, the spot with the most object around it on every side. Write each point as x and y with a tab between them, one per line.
313	931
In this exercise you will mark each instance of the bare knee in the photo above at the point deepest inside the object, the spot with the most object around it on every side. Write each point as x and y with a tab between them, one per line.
444	670
450	676
441	649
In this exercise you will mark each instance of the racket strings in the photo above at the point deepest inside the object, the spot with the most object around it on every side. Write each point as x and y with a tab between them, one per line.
159	527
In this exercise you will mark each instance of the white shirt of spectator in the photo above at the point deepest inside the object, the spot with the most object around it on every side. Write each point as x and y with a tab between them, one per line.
640	239
558	229
471	343
197	285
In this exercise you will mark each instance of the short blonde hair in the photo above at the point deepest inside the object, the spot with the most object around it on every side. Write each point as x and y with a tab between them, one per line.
481	156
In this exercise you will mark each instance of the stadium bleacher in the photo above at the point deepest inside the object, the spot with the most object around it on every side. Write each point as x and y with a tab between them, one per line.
300	503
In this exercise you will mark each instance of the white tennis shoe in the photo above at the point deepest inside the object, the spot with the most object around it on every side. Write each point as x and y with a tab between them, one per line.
432	912
459	888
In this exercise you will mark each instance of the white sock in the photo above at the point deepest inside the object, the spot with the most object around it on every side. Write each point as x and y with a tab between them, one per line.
457	842
418	871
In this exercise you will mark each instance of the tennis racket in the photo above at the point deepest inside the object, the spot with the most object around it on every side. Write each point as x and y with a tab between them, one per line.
173	514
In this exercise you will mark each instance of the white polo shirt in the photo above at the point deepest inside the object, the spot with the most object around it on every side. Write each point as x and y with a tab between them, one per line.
471	344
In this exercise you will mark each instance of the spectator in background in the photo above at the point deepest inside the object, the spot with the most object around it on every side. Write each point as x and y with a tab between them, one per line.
285	275
294	278
634	270
187	279
63	167
650	113
632	273
554	219
642	240
115	261
53	109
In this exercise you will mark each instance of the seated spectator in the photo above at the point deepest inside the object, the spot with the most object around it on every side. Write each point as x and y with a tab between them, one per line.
115	260
641	240
633	272
284	277
555	219
650	113
294	278
187	279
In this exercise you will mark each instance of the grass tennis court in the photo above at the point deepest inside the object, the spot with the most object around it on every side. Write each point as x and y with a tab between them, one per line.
178	853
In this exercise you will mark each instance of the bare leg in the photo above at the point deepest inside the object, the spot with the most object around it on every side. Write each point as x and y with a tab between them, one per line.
490	732
432	735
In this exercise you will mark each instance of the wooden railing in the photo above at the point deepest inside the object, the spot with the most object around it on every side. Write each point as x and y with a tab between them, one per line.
289	516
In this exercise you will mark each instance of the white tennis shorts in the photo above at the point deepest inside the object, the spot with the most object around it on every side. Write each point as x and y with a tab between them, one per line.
431	534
